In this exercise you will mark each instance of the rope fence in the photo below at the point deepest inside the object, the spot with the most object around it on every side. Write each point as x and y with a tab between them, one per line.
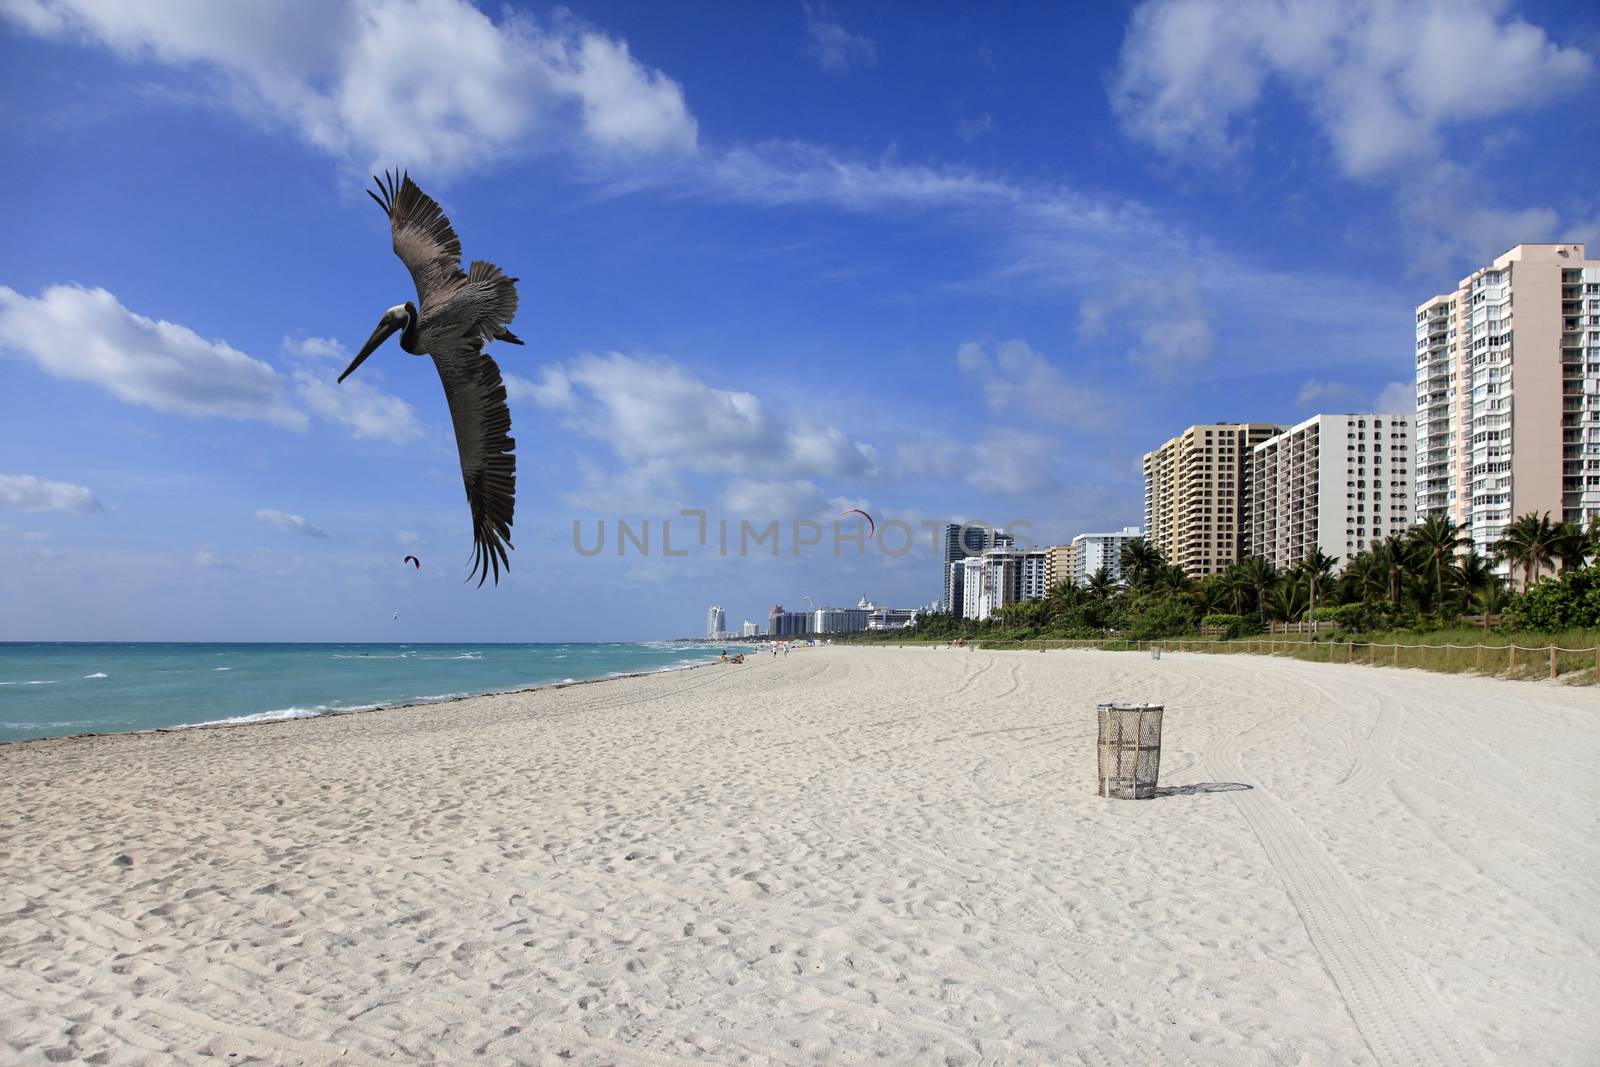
1513	660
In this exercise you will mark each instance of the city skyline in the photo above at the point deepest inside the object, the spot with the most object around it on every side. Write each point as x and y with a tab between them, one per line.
991	263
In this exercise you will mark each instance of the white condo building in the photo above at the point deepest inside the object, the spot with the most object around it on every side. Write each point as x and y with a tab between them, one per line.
999	577
716	622
1508	393
1334	482
750	629
1091	551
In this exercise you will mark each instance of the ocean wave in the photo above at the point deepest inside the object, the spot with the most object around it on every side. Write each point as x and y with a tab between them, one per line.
222	668
264	716
97	674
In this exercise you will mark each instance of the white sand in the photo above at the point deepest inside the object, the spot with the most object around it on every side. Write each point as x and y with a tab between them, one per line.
846	855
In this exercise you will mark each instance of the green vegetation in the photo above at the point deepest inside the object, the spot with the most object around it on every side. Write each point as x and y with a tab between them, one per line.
1411	590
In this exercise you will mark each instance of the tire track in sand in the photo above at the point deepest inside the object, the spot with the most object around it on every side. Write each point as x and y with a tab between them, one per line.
1401	1020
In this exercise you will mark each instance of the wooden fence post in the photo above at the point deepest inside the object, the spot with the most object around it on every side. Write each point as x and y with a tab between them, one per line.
1511	661
1552	661
1478	664
1372	654
1397	653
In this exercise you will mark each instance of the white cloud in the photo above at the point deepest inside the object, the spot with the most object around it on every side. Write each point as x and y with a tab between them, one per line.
650	410
355	403
1169	327
970	129
26	492
285	521
1013	463
761	501
1016	377
1382	79
1398	398
86	335
831	44
407	538
1328	396
551	391
394	82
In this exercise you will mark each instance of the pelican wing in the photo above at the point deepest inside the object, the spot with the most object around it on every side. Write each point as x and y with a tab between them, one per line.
477	400
423	237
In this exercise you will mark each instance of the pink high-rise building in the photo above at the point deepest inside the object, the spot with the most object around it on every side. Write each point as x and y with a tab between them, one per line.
1508	393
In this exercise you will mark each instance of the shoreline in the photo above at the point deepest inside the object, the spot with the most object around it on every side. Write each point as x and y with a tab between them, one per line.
346	712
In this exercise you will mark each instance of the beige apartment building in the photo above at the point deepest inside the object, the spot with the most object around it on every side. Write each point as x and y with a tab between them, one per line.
1059	565
1196	494
1508	393
1337	483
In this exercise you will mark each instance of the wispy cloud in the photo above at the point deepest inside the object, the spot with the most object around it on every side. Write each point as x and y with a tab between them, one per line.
292	523
355	403
1016	378
654	410
27	492
415	82
833	46
87	335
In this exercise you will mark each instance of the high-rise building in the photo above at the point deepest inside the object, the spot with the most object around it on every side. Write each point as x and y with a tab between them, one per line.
782	623
1196	494
750	629
1334	482
1508	393
1059	565
1091	551
716	621
999	577
963	540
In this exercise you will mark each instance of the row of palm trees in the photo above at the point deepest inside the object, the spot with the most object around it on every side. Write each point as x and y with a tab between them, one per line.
1430	569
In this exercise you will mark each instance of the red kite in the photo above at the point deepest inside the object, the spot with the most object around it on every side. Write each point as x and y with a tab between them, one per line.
872	527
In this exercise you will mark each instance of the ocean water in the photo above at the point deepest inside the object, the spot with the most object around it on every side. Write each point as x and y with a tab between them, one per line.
51	690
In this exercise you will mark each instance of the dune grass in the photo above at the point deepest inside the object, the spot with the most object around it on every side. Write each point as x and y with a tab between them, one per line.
1454	651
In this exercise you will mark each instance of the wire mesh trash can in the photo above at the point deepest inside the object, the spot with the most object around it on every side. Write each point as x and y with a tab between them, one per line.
1129	750
1155	651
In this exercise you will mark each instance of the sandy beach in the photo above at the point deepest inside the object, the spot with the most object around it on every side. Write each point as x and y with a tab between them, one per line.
846	855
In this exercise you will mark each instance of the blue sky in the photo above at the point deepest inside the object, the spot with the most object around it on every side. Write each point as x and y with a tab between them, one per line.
776	260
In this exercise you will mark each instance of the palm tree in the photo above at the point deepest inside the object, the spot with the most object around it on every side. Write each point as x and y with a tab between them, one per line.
1211	595
1390	556
1237	585
1572	546
1140	560
1365	575
1101	584
1317	569
1474	579
1284	599
1529	542
1259	575
1433	545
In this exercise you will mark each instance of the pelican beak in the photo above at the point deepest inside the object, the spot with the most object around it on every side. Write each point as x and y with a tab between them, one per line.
386	327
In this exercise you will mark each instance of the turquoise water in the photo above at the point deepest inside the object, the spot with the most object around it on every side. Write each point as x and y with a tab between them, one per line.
50	690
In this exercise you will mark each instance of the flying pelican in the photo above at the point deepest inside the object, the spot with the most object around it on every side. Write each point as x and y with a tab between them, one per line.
460	313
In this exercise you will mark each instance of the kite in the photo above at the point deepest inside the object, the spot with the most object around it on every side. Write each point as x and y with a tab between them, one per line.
872	527
413	560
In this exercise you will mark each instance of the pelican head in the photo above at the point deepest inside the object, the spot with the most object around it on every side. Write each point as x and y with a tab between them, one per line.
399	317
